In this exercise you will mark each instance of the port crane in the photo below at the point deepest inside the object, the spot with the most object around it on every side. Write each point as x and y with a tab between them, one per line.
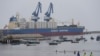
36	12
48	13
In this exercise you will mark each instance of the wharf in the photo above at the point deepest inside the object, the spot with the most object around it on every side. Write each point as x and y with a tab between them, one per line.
91	32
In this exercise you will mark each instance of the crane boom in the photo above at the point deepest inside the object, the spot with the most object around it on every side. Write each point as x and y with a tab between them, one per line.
50	10
48	13
36	12
38	8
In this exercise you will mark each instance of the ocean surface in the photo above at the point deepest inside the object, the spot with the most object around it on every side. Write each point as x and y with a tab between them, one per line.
44	49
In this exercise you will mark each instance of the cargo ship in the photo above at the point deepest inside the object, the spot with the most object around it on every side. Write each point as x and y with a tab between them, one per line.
20	27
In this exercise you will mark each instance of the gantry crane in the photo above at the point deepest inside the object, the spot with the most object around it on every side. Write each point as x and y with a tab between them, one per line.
48	13
36	12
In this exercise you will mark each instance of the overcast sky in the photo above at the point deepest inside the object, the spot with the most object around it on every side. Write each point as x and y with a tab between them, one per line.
87	12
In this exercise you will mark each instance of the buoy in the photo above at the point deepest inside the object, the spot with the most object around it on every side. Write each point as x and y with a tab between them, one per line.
91	54
84	54
74	52
56	51
78	54
64	51
92	38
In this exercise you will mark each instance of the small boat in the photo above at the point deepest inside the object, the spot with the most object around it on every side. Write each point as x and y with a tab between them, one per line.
74	41
53	43
32	42
15	42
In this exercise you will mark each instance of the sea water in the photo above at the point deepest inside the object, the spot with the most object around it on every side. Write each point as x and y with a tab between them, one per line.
62	49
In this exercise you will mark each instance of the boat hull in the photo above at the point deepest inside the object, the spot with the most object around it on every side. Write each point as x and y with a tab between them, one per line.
45	32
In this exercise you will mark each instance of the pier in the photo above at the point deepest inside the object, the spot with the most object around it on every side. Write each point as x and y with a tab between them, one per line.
91	32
